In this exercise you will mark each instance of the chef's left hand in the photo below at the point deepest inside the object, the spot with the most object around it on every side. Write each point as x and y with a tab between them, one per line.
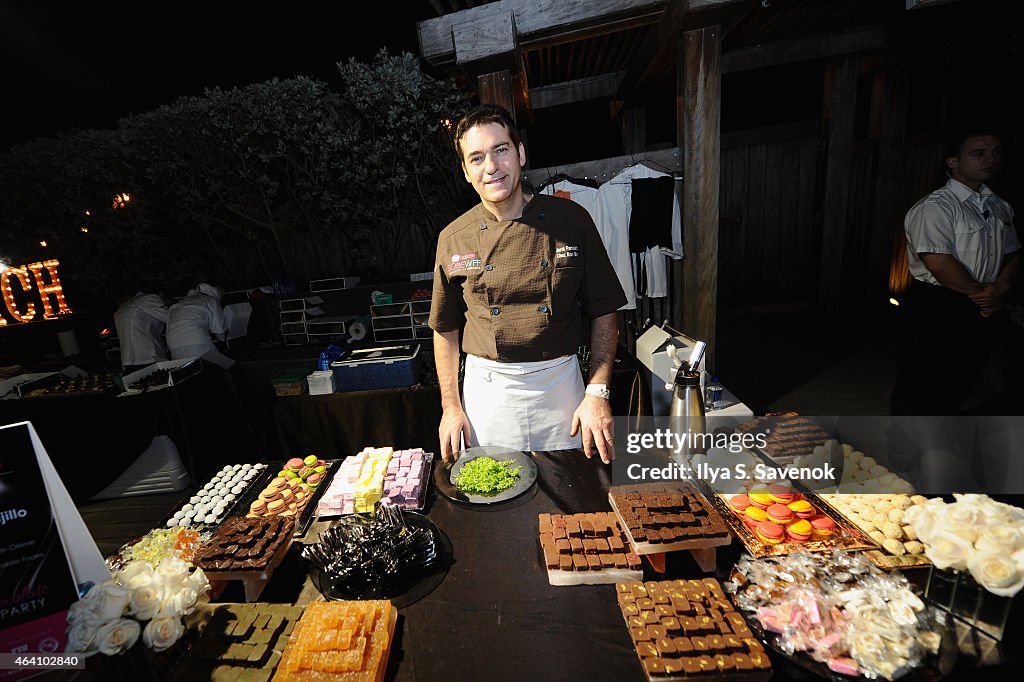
594	415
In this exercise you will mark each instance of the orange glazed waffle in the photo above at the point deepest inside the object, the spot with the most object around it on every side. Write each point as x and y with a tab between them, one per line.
340	640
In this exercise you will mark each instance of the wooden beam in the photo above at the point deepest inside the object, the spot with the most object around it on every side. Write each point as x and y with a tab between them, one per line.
835	220
534	18
478	41
916	4
698	132
657	59
578	90
825	46
605	169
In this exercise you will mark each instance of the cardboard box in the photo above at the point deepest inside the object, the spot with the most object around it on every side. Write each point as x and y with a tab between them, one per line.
381	367
290	382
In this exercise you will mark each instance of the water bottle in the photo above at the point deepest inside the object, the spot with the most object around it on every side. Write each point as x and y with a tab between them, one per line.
714	394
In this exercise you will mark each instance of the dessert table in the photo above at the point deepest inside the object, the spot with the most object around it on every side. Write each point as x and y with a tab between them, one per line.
495	617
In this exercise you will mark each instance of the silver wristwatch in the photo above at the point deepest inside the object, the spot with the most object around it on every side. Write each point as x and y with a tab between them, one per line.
600	390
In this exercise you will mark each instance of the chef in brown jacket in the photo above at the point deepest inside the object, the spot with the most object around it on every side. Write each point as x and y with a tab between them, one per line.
519	272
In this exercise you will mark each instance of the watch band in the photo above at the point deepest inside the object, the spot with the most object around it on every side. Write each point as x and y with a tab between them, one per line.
600	390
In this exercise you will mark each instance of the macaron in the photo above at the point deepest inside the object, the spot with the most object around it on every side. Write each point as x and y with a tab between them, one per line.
799	531
311	460
823	527
294	464
739	503
770	533
287	495
276	506
782	494
780	514
760	500
314	480
802	509
754	516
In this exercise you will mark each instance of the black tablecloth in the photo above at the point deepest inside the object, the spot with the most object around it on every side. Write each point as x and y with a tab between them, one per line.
92	439
495	617
337	425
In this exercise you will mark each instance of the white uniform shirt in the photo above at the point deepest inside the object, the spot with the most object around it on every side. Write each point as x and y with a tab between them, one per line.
616	208
193	321
140	323
616	242
976	228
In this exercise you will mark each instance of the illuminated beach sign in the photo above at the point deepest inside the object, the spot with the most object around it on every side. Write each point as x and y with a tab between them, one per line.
47	285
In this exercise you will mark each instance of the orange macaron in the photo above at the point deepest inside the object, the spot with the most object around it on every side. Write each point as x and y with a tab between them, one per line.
823	527
782	494
799	531
802	509
760	500
770	533
753	516
780	514
739	503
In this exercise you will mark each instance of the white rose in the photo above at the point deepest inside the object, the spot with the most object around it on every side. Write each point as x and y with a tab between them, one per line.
135	574
948	550
181	603
199	581
108	601
997	573
1005	539
145	601
922	518
117	636
161	633
82	636
965	519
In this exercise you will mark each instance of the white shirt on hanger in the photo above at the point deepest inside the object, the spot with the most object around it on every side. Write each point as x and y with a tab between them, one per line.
616	242
616	208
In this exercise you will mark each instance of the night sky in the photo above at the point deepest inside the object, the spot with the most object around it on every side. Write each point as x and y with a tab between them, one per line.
86	64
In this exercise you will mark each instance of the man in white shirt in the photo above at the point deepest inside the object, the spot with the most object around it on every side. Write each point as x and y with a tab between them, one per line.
195	322
140	321
963	252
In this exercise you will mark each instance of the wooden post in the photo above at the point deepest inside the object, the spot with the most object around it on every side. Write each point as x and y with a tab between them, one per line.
496	88
634	130
887	233
698	128
842	105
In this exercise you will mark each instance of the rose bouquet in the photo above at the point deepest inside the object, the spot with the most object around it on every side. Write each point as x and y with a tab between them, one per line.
139	600
975	534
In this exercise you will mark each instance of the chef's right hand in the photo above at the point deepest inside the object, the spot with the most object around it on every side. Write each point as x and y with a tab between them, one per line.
454	426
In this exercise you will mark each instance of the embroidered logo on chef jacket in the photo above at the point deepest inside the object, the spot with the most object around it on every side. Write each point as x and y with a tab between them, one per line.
464	263
567	251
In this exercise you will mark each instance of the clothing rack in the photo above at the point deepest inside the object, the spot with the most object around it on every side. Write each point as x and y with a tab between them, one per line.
602	170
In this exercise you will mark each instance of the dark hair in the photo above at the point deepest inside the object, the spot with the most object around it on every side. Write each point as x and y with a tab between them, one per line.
482	115
955	143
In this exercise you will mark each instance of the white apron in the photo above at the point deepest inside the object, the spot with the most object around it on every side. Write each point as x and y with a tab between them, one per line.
524	406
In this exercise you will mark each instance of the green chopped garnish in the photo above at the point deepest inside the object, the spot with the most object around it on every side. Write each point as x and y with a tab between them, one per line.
487	476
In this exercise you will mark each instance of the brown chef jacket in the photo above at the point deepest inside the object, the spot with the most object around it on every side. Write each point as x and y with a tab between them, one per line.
520	284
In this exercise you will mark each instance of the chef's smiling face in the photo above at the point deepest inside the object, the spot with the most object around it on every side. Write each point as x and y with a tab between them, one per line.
492	163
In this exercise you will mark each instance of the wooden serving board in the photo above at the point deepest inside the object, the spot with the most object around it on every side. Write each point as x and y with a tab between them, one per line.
702	549
255	580
606	576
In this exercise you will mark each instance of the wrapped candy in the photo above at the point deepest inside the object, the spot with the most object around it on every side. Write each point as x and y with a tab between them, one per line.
839	609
